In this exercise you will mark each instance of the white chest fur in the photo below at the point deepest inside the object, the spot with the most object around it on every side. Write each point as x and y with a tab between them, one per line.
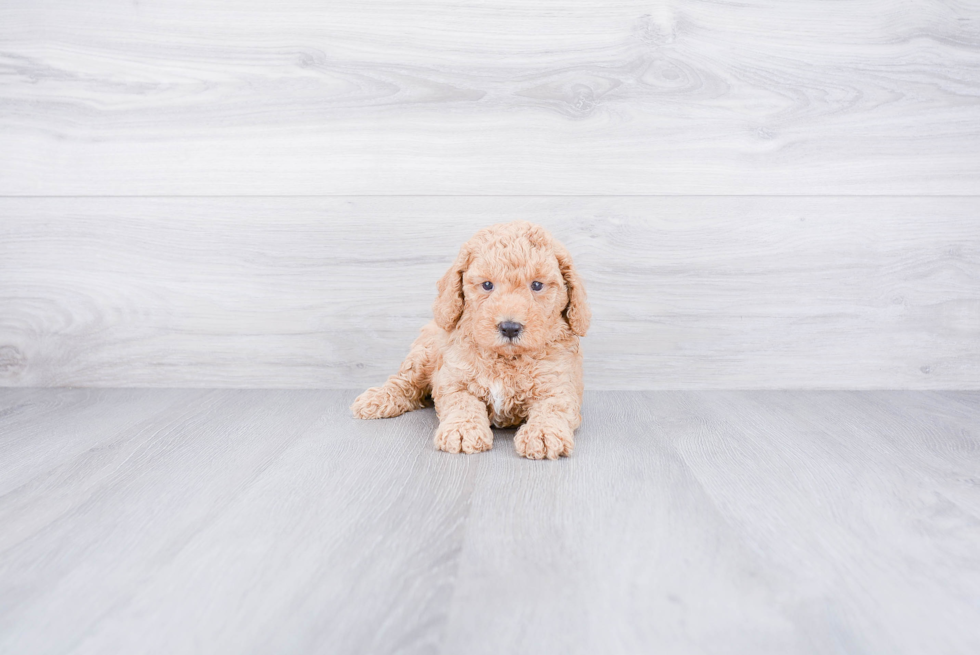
500	403
496	389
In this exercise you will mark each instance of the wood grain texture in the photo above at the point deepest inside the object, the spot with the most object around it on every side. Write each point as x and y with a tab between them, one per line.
442	97
246	521
702	292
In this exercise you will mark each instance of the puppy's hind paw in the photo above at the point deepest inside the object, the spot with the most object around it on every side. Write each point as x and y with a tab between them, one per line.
536	441
463	437
378	402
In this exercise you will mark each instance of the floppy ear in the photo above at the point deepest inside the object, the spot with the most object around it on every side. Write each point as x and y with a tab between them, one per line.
448	306
577	312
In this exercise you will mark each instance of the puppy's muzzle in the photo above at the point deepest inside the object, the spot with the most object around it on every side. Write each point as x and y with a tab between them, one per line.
510	329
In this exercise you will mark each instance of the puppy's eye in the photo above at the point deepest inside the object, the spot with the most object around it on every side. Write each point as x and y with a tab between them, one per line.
488	286
536	286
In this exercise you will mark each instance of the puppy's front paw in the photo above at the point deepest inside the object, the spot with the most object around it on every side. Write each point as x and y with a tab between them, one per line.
544	440
378	402
466	437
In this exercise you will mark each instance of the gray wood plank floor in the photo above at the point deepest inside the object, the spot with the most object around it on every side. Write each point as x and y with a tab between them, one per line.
257	521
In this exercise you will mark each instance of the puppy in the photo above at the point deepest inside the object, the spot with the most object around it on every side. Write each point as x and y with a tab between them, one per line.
503	348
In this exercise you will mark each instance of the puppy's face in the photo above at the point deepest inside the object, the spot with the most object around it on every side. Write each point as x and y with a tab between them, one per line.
514	295
512	289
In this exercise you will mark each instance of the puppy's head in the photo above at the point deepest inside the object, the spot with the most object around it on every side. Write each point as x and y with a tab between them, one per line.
514	289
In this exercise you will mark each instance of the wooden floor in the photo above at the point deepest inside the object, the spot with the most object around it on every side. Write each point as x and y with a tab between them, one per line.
251	521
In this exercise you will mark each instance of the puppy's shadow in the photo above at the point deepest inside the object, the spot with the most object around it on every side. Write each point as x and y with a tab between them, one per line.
504	437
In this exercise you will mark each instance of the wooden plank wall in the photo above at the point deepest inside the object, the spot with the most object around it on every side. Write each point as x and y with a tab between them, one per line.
767	195
328	292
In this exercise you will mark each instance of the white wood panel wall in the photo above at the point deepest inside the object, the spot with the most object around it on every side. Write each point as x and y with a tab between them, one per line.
210	97
706	292
262	194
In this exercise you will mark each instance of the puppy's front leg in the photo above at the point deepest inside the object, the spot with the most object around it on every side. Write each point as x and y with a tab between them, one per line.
549	429
464	425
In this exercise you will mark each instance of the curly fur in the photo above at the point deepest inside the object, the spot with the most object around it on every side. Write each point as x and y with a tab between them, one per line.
476	376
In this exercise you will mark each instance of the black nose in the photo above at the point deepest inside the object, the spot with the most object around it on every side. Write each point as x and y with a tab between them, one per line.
510	329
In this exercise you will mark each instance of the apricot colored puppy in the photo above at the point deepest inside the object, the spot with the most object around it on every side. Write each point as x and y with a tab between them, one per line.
503	348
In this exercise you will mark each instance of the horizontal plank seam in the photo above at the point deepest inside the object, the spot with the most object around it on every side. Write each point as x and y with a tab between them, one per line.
503	195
